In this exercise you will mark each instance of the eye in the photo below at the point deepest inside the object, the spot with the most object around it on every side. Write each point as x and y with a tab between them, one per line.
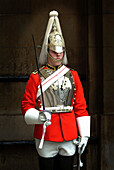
54	52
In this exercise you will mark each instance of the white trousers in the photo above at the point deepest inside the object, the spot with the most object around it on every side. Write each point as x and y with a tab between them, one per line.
51	149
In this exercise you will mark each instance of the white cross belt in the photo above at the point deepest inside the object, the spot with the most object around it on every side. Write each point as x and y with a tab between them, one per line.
51	79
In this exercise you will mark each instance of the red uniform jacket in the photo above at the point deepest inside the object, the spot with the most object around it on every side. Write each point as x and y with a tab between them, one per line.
63	125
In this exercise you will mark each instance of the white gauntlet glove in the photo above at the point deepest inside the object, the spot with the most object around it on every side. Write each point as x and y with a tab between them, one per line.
82	143
84	131
33	116
83	124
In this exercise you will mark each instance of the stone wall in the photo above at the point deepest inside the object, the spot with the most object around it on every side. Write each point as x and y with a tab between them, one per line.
107	125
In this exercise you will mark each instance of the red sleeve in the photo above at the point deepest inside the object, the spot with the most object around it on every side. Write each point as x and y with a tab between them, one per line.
80	102
29	98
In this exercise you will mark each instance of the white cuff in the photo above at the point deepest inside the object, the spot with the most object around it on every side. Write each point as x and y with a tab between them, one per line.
32	117
84	125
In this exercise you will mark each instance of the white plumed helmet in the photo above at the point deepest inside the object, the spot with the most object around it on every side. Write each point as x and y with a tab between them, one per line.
53	30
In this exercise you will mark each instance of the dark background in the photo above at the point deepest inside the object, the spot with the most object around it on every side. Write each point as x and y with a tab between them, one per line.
88	30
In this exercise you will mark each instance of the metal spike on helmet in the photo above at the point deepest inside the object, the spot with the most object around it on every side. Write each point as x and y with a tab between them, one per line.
53	39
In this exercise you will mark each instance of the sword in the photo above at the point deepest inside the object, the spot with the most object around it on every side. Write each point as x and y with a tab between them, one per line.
79	155
36	56
78	152
47	122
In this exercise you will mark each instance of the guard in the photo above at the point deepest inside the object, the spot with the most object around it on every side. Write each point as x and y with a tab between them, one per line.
55	129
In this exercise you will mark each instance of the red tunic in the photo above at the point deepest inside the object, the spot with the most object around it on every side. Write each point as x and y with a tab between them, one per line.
63	125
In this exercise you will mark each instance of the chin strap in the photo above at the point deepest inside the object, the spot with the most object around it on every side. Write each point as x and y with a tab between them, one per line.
55	60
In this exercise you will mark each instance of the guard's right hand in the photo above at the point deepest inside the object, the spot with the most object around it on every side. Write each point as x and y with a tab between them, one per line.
44	116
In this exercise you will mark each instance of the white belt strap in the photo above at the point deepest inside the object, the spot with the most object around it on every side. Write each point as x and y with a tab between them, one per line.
59	108
52	78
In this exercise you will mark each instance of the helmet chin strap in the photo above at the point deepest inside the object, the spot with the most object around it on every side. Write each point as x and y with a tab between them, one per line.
55	60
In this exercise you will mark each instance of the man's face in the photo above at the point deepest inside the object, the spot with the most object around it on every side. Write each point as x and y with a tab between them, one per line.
57	56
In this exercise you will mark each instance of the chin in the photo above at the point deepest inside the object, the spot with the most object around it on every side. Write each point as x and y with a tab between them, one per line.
57	63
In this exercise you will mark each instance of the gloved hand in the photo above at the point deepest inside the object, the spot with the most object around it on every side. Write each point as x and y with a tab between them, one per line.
83	143
45	116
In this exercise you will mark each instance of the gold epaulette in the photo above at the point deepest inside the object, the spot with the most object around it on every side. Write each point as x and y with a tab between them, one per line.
36	71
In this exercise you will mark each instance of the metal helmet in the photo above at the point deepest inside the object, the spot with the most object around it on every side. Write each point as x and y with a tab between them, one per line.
53	39
56	42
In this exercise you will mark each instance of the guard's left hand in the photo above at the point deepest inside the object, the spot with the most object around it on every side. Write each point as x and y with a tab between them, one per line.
83	143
